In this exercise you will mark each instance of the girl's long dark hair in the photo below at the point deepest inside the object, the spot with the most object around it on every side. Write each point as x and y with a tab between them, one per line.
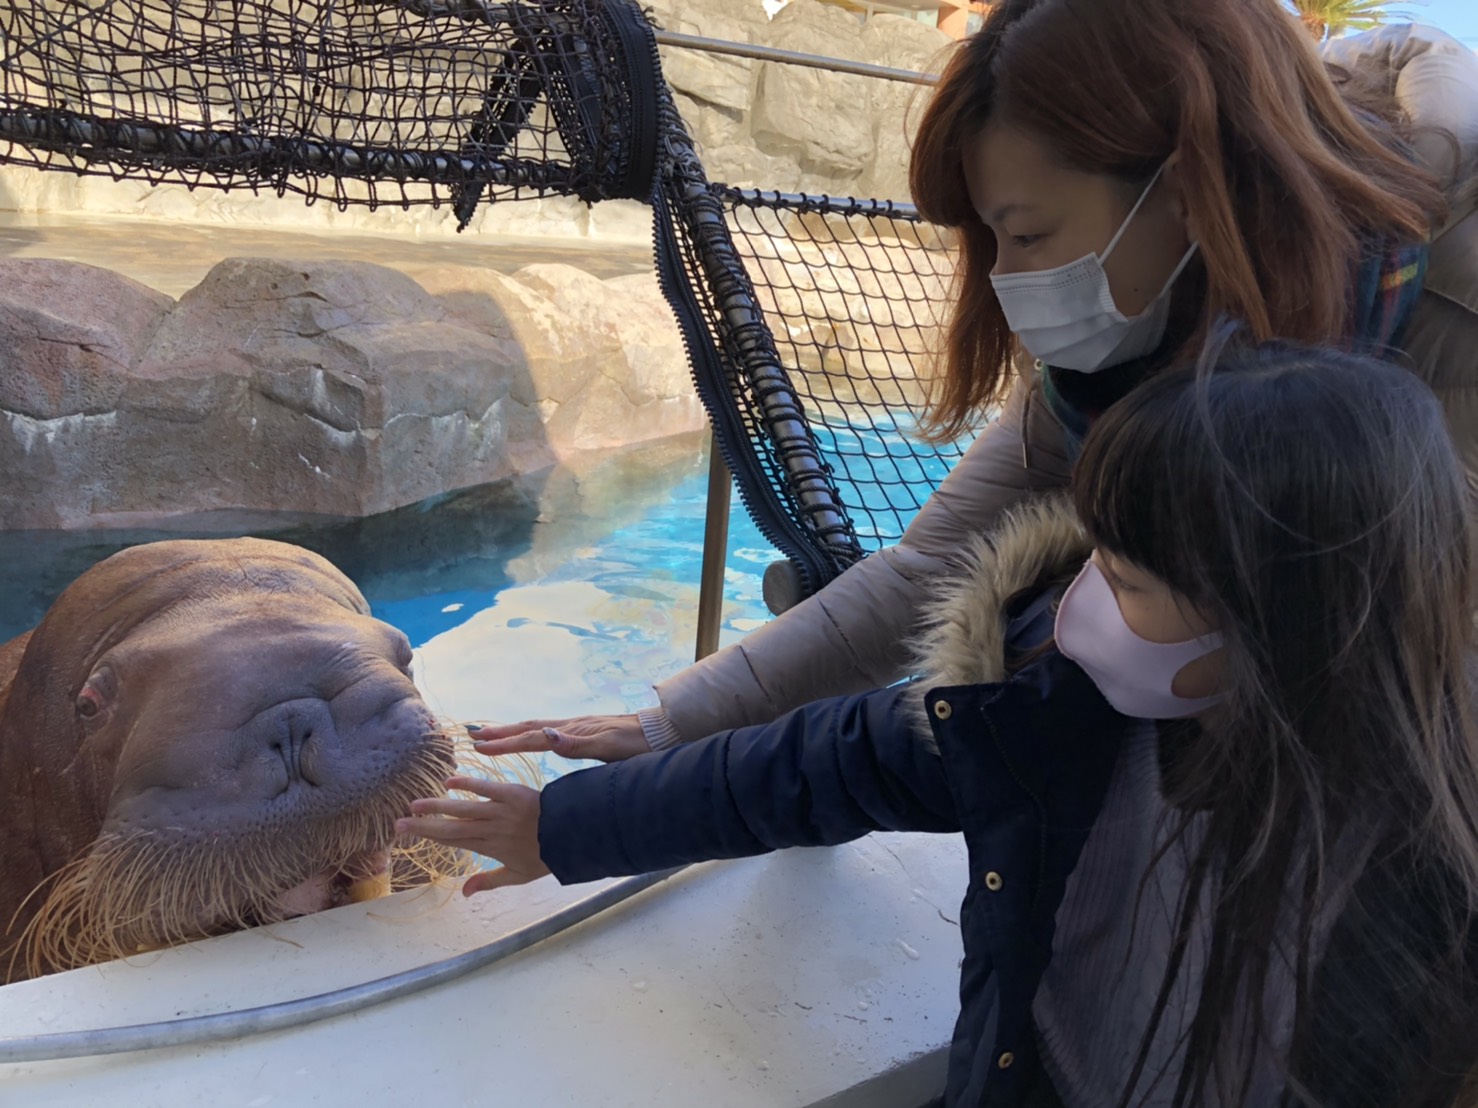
1312	504
1284	170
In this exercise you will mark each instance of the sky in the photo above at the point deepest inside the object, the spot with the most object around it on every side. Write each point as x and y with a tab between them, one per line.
1458	18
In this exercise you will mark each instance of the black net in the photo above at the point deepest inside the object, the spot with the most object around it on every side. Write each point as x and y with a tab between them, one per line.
359	102
809	321
853	291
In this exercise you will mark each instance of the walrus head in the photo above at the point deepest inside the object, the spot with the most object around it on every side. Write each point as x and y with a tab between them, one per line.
202	736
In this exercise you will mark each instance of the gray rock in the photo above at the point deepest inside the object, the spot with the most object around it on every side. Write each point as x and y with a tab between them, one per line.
745	166
899	43
820	119
602	360
718	79
333	388
70	332
711	126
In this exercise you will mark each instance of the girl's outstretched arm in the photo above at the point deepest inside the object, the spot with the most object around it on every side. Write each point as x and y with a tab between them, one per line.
825	773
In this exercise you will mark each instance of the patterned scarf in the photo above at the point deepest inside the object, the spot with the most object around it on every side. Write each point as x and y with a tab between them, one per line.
1383	292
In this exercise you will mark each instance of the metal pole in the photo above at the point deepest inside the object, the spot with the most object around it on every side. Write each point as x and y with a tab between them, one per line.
715	552
791	57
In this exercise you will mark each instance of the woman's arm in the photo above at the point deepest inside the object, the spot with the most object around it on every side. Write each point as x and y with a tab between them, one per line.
852	634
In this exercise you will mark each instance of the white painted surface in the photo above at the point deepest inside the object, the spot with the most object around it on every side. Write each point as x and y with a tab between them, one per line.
776	981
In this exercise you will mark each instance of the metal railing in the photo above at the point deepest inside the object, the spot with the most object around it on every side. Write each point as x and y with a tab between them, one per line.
792	57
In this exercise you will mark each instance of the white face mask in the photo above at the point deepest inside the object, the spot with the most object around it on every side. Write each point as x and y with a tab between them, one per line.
1067	318
1134	674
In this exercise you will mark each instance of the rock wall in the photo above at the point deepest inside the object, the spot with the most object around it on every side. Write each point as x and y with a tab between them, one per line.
332	388
771	125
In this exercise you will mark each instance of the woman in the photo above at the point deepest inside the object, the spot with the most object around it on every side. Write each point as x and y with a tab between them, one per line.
1181	161
1267	898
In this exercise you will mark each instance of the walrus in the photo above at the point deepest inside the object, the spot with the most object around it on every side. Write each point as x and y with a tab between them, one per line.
202	736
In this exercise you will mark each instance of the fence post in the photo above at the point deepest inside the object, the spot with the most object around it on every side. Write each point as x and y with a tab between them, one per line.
715	552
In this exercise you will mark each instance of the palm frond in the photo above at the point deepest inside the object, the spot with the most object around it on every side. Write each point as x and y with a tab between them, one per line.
1325	18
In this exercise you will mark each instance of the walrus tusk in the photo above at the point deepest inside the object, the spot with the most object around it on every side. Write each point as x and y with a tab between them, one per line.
370	888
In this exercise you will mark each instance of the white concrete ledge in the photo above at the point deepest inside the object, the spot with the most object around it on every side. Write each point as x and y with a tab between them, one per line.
804	978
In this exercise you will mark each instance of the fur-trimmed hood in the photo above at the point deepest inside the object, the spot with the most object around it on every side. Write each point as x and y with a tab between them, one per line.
963	636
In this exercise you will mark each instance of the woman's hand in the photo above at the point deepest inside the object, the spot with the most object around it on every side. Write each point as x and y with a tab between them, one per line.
504	825
603	738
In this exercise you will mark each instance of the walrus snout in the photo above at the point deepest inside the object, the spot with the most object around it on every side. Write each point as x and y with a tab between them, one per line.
320	743
298	761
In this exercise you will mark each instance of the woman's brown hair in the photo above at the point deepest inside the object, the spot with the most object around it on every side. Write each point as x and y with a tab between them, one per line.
1282	178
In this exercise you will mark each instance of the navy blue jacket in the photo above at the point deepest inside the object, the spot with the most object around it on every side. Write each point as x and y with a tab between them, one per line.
1020	768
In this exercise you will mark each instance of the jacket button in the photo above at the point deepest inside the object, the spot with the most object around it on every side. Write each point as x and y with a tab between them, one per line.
942	710
993	881
1005	1060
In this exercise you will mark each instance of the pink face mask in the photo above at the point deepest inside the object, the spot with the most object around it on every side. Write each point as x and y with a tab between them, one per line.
1133	673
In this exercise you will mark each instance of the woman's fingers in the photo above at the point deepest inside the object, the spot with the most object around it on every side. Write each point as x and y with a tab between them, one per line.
519	742
481	730
504	825
601	738
439	812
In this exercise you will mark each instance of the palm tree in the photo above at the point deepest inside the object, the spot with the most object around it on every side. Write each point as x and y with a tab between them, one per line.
1324	18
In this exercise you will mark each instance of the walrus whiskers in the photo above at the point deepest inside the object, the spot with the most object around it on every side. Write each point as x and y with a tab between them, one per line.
137	893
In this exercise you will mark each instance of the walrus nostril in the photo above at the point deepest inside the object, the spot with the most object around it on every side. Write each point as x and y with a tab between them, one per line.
295	731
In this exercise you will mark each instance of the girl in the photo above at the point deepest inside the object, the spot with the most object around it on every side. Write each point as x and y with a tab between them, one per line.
1220	795
1120	172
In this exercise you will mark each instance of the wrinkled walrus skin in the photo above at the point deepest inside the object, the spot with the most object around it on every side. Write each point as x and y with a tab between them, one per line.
199	736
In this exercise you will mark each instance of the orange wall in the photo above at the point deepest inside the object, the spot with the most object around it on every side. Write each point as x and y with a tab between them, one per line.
953	15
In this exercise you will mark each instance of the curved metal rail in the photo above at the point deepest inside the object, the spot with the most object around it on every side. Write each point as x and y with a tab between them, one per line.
310	1009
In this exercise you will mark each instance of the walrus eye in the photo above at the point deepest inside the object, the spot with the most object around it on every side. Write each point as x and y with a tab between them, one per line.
97	694
89	703
403	653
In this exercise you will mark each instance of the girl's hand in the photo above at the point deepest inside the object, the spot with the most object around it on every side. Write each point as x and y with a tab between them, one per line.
603	738
503	826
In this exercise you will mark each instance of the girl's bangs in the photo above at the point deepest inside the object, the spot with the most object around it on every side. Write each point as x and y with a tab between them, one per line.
1132	483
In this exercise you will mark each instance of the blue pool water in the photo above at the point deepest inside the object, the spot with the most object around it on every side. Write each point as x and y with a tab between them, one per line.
589	630
568	597
592	630
884	474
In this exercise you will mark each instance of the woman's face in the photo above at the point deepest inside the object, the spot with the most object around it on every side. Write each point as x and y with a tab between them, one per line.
1155	611
1044	214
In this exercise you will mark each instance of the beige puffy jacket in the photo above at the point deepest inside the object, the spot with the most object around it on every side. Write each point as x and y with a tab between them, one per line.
850	636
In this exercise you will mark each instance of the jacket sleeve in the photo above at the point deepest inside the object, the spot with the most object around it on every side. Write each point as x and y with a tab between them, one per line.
1434	79
852	635
823	774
